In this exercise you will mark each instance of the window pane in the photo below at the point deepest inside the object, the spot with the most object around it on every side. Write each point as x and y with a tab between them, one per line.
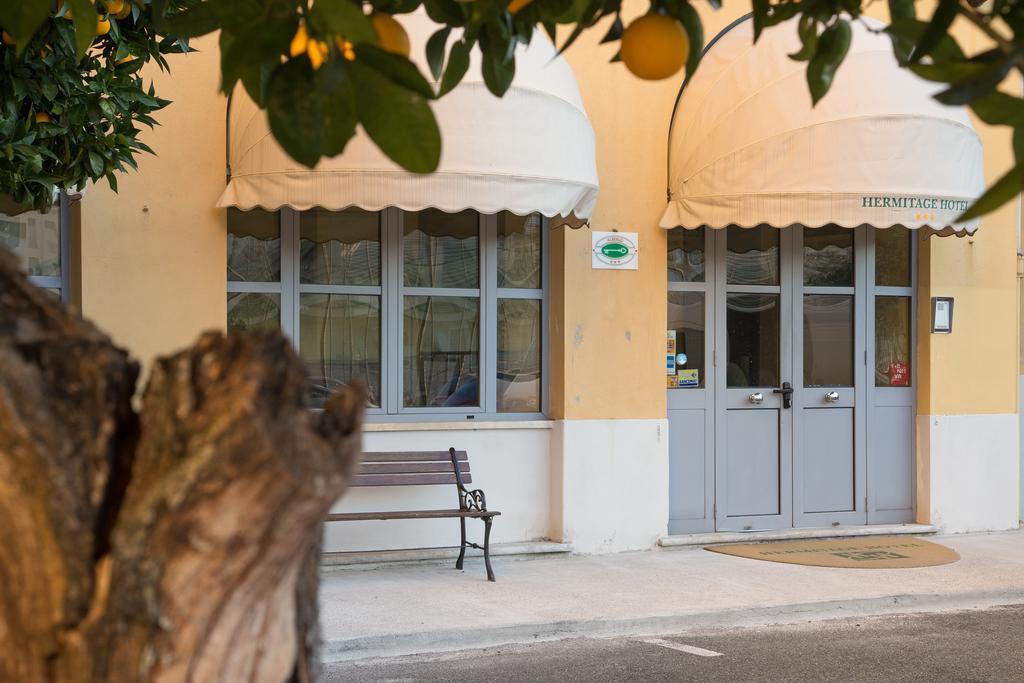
892	257
519	246
442	249
441	352
519	348
339	247
828	340
892	341
686	320
686	255
828	257
753	256
339	341
254	246
752	331
35	239
249	311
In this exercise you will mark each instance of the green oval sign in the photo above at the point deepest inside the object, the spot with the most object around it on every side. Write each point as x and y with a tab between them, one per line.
614	250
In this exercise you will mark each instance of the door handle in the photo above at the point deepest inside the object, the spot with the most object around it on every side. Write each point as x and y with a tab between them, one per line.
787	394
832	397
756	398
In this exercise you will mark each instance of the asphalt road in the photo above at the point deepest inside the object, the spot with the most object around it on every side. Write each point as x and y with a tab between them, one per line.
964	646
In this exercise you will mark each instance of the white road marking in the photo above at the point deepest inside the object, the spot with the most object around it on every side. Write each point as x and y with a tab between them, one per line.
688	649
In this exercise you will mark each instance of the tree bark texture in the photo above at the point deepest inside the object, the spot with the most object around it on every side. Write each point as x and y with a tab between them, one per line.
176	543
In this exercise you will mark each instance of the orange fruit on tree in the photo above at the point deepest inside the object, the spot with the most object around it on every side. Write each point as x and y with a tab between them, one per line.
517	5
390	34
114	6
655	46
8	38
102	26
43	117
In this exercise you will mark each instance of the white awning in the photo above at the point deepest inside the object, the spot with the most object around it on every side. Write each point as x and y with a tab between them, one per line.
532	150
747	148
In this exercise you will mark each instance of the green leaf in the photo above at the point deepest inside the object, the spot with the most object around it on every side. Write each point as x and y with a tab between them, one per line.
614	31
833	45
1008	187
444	12
255	82
206	17
21	18
691	22
969	89
396	67
310	116
260	45
95	163
999	109
458	64
435	51
948	72
498	71
938	28
342	18
808	32
761	9
398	120
85	18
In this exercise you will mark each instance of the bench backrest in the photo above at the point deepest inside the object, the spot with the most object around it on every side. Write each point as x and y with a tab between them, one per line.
411	468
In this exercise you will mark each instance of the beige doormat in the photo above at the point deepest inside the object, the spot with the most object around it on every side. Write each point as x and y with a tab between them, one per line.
878	552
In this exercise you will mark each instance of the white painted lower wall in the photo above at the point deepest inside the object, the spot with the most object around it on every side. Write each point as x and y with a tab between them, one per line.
510	461
609	484
974	470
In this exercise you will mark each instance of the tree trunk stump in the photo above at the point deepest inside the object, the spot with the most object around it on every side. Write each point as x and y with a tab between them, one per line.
176	543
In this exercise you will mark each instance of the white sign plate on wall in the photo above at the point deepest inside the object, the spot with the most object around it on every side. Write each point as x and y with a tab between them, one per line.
614	250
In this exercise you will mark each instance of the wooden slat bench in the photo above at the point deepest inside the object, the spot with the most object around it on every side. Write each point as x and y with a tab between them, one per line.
418	468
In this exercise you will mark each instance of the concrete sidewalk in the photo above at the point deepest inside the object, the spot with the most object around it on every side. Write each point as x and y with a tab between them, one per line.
390	611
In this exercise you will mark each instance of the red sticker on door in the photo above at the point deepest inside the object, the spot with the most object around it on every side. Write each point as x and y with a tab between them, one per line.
899	374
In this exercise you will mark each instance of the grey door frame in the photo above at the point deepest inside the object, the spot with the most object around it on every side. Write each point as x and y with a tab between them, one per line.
890	397
697	401
867	399
742	399
808	399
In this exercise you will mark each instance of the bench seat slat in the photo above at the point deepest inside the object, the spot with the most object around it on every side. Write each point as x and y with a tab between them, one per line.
409	467
413	456
407	479
406	514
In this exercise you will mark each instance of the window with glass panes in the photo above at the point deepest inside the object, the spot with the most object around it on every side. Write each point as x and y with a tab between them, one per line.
40	242
437	313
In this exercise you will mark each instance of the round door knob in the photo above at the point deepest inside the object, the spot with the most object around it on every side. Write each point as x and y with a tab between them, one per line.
832	396
757	397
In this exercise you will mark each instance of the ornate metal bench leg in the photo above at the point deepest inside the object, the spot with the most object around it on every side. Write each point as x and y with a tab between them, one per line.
487	548
462	549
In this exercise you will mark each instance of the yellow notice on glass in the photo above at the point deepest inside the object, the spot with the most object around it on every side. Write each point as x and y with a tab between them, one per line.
688	378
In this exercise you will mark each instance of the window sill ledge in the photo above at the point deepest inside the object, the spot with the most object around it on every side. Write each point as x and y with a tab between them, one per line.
456	426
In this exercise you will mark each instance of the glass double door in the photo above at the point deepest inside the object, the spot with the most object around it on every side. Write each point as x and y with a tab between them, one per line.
790	377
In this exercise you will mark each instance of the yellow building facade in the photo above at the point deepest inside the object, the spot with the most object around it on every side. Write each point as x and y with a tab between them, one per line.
606	466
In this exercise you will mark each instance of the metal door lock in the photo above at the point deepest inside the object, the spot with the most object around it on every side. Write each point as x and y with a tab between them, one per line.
832	397
787	394
757	398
